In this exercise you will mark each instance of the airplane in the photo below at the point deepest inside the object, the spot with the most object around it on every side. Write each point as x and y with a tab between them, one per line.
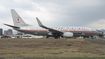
55	32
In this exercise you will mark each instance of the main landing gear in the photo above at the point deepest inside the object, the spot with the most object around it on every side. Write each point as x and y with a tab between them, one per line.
54	36
87	37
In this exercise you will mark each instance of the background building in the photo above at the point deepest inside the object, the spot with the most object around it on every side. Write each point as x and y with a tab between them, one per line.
1	31
10	32
5	32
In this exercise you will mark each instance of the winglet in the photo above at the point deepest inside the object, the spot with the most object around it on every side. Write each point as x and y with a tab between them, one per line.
40	24
50	29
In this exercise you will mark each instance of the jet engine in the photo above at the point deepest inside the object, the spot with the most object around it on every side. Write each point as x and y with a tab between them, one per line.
67	34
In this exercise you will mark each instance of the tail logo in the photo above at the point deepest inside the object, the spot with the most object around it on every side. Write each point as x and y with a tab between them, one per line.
18	19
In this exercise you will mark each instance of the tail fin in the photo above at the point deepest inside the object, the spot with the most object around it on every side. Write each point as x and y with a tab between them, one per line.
17	19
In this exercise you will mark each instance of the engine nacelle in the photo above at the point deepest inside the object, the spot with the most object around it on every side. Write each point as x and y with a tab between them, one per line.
67	34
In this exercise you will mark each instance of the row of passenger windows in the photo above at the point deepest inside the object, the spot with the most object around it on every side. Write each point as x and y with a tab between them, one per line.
70	28
81	29
56	28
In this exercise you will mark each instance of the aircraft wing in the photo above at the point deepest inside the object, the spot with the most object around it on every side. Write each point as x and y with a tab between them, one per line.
50	29
11	26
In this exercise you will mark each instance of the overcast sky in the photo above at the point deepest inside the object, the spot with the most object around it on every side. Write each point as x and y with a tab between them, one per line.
82	13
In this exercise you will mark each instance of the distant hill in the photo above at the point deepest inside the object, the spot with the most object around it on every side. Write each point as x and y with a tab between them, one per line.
103	30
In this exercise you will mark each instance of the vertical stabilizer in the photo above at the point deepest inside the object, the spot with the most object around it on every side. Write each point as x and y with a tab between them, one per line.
17	19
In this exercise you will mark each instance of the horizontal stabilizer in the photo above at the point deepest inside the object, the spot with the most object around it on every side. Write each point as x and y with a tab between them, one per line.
11	26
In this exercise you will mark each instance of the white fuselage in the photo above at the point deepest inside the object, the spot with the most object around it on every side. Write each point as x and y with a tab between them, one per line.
77	31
